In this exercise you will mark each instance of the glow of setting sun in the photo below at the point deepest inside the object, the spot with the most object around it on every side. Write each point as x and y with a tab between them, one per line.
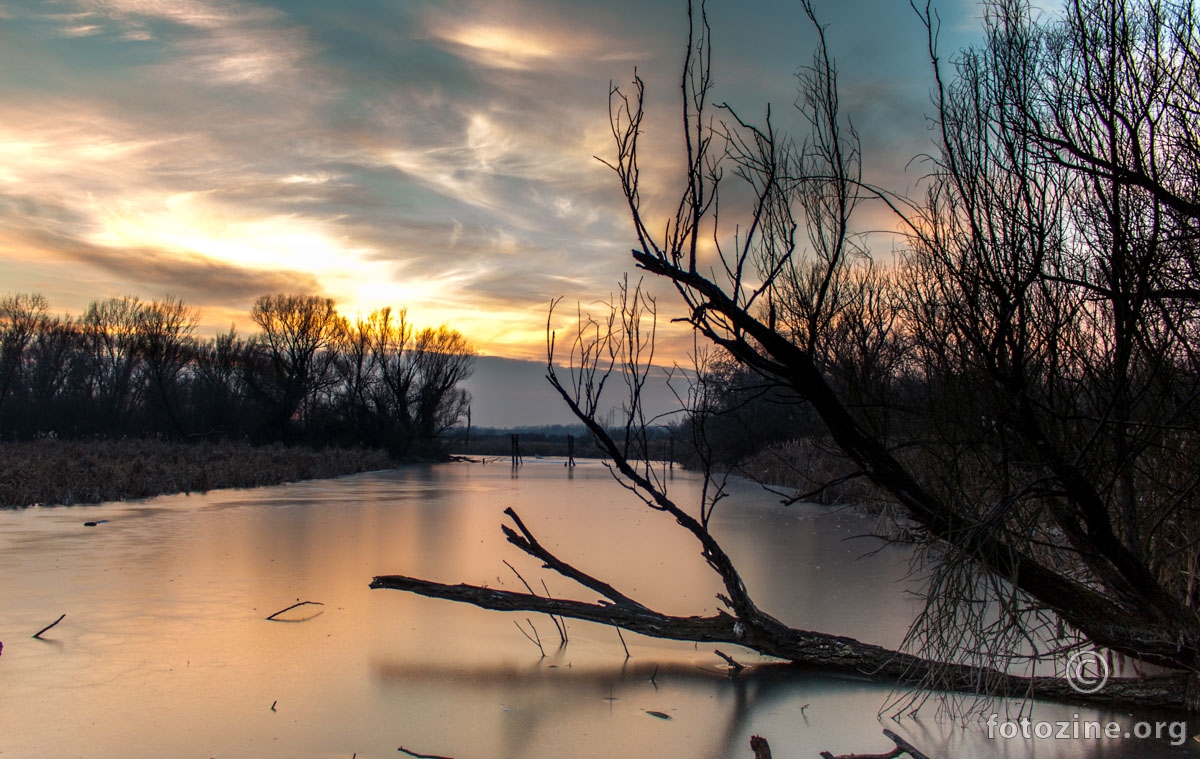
186	223
500	46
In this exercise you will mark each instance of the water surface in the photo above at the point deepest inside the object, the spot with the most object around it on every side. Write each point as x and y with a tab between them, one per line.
165	651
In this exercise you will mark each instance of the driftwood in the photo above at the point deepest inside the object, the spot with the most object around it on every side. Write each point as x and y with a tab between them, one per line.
902	747
762	749
751	628
293	606
422	756
38	634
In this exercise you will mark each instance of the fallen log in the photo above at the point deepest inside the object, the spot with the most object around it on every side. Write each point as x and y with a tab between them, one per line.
760	632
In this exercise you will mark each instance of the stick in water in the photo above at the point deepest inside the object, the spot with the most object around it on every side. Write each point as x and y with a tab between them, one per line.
38	634
622	637
736	665
422	756
276	614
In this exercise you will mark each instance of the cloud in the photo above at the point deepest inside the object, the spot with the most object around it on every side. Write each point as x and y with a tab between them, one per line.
225	42
151	272
438	156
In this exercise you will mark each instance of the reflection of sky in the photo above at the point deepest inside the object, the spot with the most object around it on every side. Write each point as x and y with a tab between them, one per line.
165	650
437	156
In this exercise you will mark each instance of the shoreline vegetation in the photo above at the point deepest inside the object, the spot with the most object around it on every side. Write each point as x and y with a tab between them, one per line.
56	472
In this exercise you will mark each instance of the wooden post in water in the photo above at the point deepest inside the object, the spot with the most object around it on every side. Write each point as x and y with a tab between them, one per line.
516	449
570	450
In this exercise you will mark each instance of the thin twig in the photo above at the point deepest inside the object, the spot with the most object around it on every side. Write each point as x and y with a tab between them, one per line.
535	639
559	622
560	626
293	606
622	637
38	634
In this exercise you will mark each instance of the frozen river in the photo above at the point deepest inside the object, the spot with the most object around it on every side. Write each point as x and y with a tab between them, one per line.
165	650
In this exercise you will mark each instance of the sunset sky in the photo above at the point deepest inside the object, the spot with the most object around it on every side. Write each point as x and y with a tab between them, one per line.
434	156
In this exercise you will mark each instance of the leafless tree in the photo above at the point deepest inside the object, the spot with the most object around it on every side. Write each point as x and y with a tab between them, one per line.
298	333
110	328
441	360
22	317
1022	386
166	331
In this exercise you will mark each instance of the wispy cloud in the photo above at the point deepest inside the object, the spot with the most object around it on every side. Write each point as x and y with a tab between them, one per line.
438	156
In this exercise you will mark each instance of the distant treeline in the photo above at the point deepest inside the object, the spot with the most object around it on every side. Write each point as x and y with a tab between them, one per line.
127	367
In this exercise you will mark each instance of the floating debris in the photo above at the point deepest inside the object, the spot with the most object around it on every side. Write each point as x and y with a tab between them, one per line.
38	634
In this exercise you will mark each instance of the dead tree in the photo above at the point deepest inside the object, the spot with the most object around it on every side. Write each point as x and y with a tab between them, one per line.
1022	386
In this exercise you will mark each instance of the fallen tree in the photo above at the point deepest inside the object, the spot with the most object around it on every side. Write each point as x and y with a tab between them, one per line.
766	635
1022	385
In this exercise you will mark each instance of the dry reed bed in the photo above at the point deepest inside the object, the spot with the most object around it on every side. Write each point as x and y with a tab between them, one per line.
817	468
94	471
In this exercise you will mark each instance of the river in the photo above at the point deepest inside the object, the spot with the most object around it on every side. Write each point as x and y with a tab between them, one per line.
165	650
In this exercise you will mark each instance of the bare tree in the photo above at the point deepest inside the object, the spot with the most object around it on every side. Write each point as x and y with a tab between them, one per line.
1022	386
111	330
166	328
442	359
298	333
21	318
218	391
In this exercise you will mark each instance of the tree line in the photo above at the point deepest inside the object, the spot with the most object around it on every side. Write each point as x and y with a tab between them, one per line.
128	367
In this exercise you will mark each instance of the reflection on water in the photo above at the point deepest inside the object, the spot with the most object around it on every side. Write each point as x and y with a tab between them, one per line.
166	650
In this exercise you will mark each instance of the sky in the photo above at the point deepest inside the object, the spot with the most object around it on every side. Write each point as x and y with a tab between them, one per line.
438	157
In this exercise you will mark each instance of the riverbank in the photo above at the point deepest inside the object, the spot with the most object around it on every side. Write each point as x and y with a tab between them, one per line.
66	472
817	470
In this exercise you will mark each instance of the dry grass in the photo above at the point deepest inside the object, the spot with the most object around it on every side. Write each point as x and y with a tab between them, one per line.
814	467
66	472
